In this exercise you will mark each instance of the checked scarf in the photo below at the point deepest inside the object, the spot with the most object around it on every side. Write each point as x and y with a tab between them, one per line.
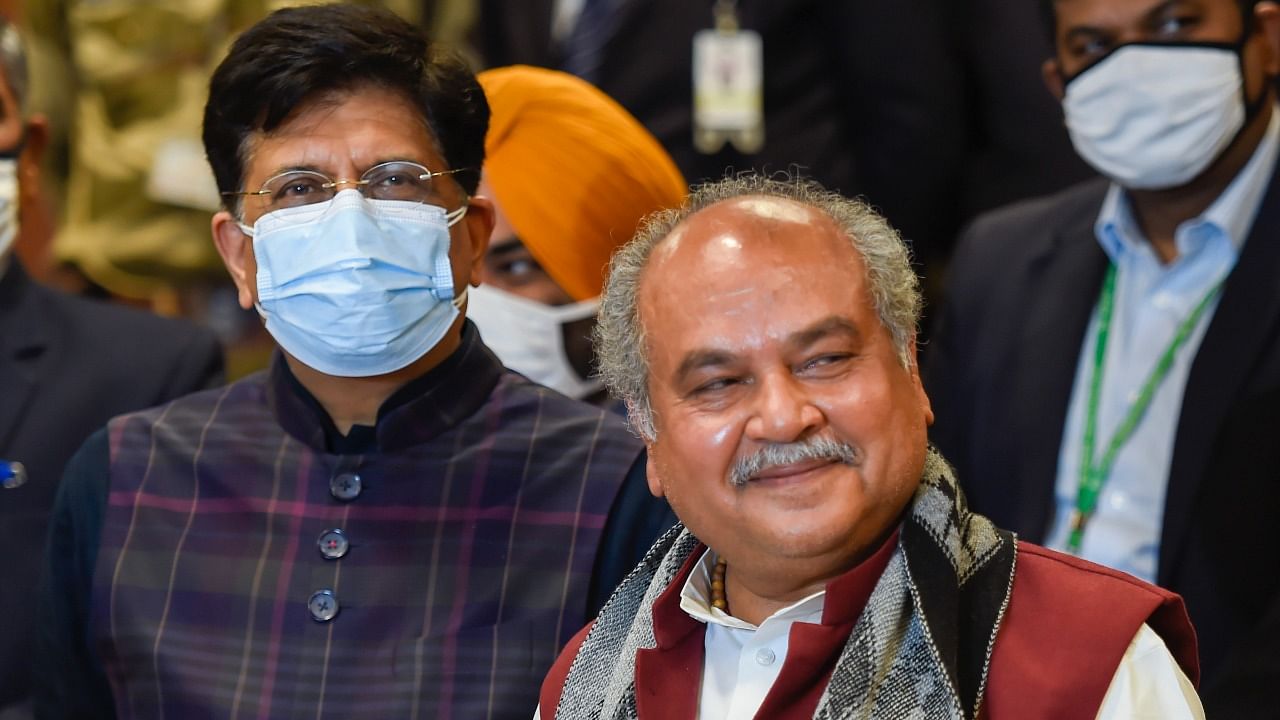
920	649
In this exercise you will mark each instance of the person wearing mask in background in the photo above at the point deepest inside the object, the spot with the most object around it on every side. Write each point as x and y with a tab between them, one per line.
385	523
763	337
1106	370
570	173
67	365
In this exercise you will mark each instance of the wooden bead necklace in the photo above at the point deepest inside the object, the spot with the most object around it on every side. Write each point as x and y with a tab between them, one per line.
717	586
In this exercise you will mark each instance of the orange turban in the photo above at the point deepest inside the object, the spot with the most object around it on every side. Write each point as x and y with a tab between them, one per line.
573	171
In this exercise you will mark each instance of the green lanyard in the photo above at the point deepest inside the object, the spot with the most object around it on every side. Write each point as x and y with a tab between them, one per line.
1093	474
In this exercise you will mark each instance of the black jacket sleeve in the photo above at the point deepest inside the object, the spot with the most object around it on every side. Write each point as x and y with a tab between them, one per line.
636	520
69	678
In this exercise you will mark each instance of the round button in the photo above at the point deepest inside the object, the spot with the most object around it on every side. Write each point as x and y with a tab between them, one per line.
346	486
323	605
333	544
765	656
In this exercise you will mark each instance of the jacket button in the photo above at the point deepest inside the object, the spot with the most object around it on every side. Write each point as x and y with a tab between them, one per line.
346	486
323	605
333	544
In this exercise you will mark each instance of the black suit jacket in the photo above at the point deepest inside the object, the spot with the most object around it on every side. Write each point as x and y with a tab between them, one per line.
865	95
1000	372
67	365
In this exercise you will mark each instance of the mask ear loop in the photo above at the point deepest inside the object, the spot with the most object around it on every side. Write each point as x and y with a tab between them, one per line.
461	298
453	217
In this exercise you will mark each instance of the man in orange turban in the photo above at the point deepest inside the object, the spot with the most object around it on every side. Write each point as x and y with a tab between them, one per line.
570	173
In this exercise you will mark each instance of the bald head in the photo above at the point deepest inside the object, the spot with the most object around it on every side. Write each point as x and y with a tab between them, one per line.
705	232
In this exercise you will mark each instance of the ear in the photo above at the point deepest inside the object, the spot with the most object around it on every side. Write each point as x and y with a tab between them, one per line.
37	139
35	142
1267	18
35	217
651	472
236	250
1051	73
922	396
479	222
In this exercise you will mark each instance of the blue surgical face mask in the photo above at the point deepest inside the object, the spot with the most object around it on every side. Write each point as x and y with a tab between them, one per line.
355	287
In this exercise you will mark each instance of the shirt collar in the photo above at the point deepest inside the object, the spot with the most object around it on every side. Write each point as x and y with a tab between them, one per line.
422	409
1231	214
849	592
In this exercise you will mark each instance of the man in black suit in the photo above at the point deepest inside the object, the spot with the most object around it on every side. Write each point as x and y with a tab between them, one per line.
66	366
1106	371
863	95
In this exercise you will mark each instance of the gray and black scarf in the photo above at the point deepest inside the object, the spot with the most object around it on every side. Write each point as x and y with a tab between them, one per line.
920	649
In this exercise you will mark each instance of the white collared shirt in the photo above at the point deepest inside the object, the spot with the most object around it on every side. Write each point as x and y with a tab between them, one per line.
743	661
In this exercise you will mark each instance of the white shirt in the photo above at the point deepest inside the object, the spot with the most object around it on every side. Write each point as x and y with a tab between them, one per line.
1151	300
742	661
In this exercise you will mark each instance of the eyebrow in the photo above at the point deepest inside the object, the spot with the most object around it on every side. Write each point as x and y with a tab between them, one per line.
800	339
700	360
317	169
827	327
506	246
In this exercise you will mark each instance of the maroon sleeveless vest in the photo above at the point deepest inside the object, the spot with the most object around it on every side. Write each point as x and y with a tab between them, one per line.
1066	629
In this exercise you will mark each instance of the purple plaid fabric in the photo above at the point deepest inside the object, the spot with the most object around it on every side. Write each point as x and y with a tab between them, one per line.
471	549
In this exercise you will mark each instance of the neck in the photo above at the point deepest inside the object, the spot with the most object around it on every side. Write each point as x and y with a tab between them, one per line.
756	590
1160	212
356	400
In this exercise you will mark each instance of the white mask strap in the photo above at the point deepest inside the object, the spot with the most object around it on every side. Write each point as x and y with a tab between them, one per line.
461	298
452	217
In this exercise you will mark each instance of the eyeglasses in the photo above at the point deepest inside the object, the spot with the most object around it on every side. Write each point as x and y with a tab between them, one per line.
396	180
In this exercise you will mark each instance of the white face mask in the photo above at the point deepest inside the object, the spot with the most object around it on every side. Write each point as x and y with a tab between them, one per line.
1156	116
8	204
528	337
354	287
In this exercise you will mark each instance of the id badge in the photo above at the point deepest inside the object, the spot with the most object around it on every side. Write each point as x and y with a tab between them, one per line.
728	90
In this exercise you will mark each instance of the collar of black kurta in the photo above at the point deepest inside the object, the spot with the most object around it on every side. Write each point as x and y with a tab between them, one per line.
423	409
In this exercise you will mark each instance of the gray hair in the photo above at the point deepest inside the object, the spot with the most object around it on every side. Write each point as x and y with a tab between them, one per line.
620	337
13	60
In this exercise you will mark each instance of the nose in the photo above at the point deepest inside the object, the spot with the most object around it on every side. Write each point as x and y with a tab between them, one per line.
782	410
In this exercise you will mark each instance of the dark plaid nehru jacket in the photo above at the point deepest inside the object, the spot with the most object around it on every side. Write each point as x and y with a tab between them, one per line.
246	572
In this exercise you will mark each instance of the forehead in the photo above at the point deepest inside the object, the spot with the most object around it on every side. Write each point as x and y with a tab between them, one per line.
748	269
343	134
1128	13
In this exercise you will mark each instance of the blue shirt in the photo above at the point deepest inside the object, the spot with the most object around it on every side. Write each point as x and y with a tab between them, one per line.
1151	300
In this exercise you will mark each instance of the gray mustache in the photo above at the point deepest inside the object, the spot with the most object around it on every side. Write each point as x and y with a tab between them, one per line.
771	456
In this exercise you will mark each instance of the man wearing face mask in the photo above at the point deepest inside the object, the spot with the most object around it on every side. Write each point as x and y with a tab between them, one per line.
571	173
386	522
1107	367
67	365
